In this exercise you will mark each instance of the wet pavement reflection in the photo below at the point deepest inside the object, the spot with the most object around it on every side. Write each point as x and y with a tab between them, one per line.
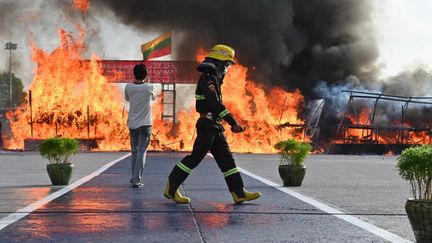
108	209
22	195
213	220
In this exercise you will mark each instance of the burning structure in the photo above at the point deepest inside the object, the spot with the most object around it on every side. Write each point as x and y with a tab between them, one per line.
71	97
286	49
360	132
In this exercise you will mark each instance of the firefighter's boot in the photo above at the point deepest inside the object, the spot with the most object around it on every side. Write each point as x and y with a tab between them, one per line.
172	192
243	195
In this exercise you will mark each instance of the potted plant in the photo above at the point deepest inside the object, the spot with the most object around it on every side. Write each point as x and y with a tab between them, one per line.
58	151
415	165
292	156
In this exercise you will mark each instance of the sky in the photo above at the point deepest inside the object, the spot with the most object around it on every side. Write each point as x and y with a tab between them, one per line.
402	30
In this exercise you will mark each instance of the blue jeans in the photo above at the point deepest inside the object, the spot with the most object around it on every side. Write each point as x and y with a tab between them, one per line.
139	139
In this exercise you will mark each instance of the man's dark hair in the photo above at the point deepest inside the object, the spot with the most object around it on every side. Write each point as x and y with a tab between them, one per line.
140	71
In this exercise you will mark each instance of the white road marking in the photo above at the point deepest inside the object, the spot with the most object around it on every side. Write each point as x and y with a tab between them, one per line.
337	213
12	218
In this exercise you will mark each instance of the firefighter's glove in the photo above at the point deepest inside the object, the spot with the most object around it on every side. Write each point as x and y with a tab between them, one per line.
237	129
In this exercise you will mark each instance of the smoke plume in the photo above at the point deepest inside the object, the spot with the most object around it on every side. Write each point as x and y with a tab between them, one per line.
319	47
414	83
40	18
290	43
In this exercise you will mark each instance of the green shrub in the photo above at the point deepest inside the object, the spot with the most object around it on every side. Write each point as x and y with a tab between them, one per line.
415	165
292	151
58	150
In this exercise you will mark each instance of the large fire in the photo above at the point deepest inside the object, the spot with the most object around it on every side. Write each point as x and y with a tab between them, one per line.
360	131
71	98
357	135
261	112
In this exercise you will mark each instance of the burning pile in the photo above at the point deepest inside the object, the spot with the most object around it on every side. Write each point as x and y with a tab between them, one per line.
385	119
260	111
71	98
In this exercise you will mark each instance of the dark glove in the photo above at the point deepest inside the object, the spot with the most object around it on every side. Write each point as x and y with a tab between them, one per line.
237	129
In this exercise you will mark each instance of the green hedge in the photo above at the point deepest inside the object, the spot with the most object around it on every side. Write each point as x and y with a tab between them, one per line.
58	150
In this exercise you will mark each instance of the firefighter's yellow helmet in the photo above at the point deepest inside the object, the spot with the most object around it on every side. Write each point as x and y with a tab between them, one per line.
222	53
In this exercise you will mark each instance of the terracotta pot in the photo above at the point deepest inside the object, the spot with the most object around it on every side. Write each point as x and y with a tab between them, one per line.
60	174
420	216
292	175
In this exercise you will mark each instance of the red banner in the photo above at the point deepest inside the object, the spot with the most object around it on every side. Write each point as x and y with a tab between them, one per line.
167	72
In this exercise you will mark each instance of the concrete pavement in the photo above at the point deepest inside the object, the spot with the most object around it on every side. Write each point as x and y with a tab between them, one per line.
24	180
106	208
366	186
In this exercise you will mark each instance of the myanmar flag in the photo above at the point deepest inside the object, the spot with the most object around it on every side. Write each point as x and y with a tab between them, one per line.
158	47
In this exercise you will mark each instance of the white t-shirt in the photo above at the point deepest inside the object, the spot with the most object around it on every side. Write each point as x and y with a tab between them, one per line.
139	97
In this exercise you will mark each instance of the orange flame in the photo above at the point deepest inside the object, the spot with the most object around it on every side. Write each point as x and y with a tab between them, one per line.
254	107
71	98
364	133
82	5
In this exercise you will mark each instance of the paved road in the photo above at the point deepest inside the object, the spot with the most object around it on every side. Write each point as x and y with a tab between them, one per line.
23	176
367	186
107	209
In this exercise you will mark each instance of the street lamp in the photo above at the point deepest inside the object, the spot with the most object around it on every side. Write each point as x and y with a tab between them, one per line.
10	46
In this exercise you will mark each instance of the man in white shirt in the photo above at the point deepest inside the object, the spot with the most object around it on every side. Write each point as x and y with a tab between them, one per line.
139	94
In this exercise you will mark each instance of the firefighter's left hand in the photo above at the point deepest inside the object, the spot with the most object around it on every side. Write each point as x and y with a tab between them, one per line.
237	129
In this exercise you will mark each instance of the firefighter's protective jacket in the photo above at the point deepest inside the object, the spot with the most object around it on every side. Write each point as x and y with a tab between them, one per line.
208	93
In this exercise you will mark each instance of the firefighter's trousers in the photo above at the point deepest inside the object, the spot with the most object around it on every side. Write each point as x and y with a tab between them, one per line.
210	137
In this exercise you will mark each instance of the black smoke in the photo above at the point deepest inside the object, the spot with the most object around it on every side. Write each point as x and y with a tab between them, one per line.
388	113
290	43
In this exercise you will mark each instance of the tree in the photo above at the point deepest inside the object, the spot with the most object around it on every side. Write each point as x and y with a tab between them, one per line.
18	94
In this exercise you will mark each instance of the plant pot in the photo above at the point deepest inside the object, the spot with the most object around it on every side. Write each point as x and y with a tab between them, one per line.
60	174
420	216
292	175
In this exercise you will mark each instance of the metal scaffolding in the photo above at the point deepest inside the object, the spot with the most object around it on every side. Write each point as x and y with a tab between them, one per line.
370	131
310	128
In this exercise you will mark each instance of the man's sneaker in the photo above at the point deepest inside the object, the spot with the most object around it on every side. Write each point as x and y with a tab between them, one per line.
136	185
240	197
176	197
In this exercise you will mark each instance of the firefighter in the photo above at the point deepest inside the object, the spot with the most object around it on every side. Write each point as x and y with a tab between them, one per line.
210	135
